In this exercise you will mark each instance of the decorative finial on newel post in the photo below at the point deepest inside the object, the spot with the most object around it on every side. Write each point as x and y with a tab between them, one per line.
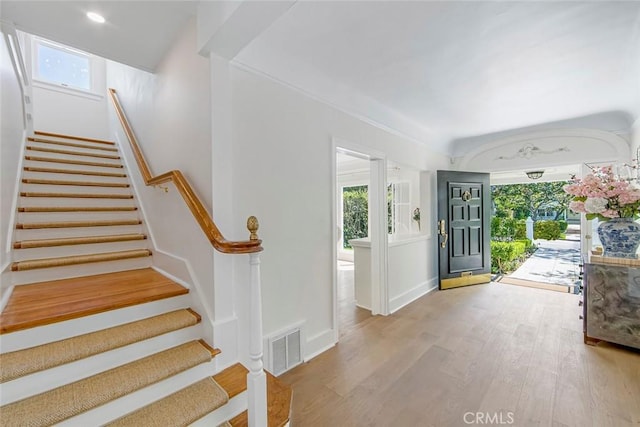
252	226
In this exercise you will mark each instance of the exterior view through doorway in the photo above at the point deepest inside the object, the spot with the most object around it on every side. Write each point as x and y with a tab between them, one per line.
536	239
359	170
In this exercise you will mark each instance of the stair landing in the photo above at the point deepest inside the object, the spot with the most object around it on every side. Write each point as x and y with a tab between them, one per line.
44	303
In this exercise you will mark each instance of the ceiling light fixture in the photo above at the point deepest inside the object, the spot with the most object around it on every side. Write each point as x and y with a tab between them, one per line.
534	174
96	17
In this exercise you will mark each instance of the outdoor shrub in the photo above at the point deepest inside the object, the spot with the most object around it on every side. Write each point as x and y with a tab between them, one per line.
507	229
563	225
505	256
355	208
549	230
521	231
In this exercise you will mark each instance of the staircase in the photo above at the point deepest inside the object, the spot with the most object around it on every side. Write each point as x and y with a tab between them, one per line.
92	335
77	214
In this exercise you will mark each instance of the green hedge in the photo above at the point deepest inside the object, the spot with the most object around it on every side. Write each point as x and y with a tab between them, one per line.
506	256
356	215
549	230
508	229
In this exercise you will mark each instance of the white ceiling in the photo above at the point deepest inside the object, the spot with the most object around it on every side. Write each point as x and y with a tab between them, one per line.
137	33
443	73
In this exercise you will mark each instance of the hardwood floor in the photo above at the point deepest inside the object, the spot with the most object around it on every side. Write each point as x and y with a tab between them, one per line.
349	314
49	302
509	354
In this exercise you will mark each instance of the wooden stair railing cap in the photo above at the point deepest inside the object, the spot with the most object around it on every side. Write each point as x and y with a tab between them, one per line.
195	205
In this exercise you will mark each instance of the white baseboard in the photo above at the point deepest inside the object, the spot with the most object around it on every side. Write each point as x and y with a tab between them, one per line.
225	333
172	266
411	295
180	271
319	344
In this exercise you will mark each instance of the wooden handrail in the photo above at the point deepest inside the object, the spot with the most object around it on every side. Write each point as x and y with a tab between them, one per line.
196	207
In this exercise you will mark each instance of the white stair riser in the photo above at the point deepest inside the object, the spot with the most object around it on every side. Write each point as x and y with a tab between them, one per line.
70	250
40	382
46	188
72	201
234	407
36	153
40	217
56	165
54	233
61	330
73	177
78	270
86	148
126	404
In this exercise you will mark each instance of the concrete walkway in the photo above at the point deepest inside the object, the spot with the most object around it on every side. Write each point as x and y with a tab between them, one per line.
555	262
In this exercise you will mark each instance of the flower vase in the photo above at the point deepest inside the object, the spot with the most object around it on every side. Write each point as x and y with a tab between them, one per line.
620	237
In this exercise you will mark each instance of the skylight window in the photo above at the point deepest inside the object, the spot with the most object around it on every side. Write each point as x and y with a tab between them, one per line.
63	66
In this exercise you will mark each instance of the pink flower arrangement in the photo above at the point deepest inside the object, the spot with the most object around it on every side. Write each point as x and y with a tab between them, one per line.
602	195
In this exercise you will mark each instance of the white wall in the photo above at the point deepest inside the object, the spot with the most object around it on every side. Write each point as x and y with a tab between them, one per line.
11	139
635	139
67	111
170	115
282	158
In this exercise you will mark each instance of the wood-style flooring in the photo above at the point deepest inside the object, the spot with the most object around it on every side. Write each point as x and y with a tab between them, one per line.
508	354
349	314
49	302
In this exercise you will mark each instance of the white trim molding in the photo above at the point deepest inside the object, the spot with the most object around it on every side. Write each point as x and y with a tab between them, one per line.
578	146
411	295
319	343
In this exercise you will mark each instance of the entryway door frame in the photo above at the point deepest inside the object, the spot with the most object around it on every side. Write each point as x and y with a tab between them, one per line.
377	225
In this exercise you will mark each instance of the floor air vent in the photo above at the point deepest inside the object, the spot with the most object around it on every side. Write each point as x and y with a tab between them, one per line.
285	351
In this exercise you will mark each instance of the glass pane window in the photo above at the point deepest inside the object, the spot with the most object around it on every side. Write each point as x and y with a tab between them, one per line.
355	213
63	66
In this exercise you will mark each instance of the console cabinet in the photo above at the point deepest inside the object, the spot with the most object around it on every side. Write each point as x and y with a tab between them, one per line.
612	304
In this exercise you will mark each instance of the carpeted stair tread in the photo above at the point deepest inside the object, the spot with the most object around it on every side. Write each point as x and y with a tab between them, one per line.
74	224
74	162
75	183
178	409
66	241
71	144
74	172
76	138
72	399
24	362
78	259
73	153
77	195
27	209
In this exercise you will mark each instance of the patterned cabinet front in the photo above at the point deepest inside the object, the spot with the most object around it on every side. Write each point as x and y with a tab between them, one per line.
612	304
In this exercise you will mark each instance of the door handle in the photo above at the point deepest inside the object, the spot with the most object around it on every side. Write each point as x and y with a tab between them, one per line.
442	231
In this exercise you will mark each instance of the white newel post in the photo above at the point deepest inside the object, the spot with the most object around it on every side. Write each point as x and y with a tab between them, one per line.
256	378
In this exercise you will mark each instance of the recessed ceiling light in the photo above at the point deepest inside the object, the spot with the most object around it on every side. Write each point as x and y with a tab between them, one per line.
95	17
